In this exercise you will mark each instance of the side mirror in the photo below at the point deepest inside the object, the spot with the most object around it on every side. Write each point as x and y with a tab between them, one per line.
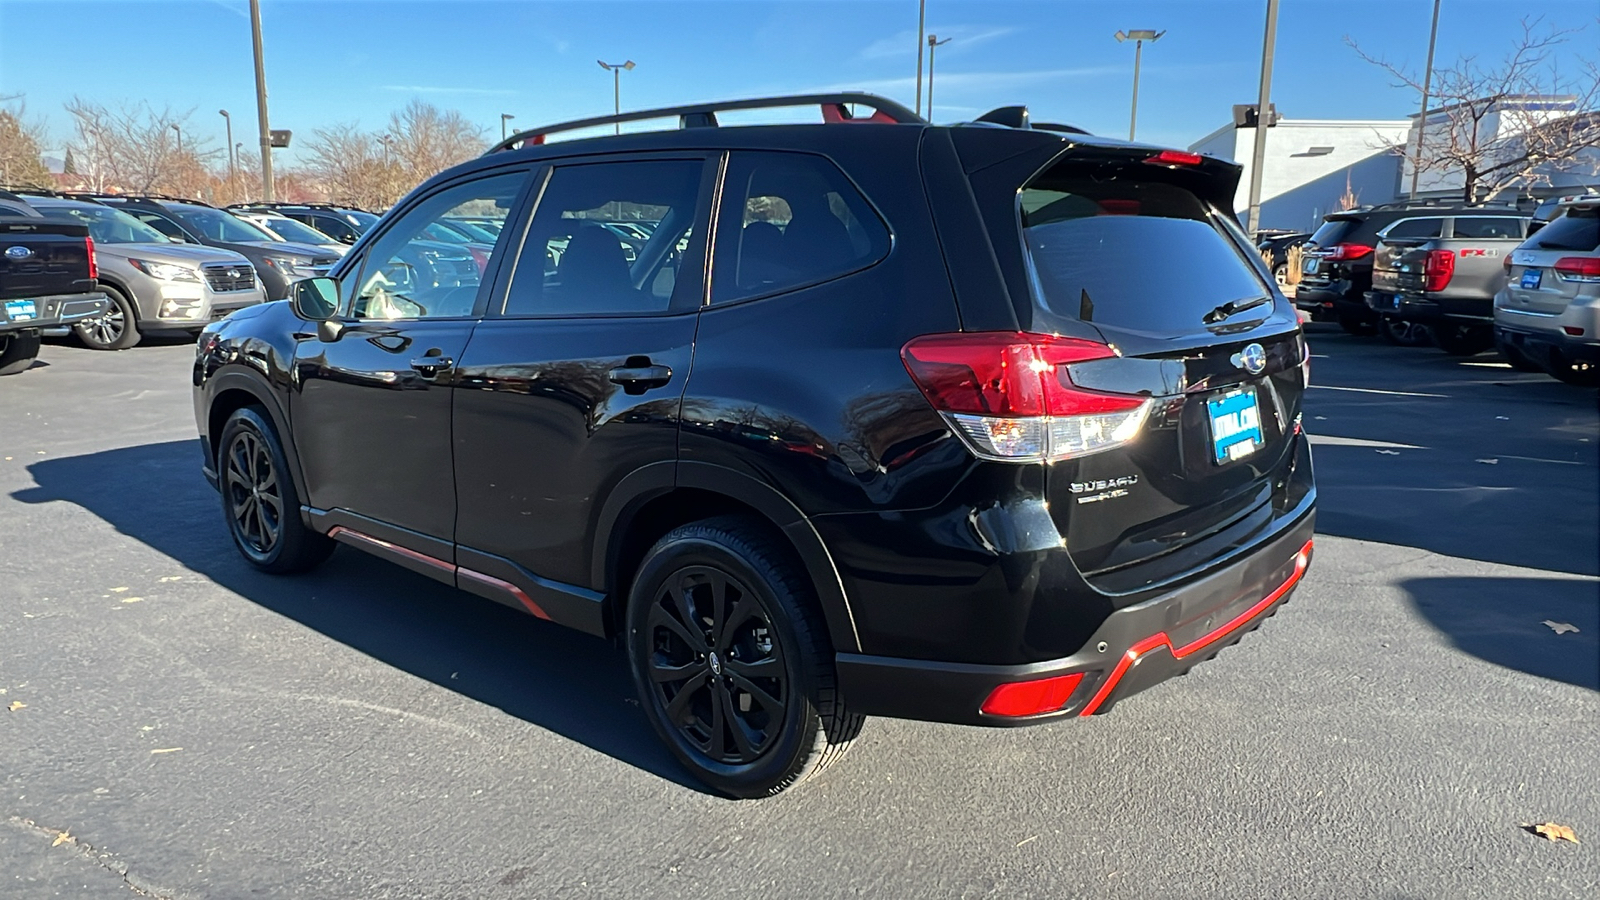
176	239
317	300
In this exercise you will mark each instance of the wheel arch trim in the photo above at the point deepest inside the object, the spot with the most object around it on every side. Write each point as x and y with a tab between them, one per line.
226	381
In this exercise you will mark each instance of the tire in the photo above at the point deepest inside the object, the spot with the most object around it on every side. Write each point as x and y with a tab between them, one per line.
732	570
1518	360
1402	333
18	351
1574	372
1355	323
1280	274
1459	339
118	329
259	501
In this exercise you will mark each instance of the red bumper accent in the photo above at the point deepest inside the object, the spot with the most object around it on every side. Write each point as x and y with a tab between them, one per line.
1160	639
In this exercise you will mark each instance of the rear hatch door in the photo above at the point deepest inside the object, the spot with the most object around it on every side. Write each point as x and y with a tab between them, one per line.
1534	285
1399	265
1143	254
42	257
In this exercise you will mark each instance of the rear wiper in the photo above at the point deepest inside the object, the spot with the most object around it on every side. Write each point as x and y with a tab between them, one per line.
1231	308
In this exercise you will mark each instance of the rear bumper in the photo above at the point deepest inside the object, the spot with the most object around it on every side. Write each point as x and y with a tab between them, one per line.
1413	308
55	311
1331	300
1546	347
1135	647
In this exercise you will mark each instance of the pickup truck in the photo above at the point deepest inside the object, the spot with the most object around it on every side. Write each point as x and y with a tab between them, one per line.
47	278
1443	272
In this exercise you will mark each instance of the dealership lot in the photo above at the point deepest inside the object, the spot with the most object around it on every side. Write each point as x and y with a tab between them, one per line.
198	729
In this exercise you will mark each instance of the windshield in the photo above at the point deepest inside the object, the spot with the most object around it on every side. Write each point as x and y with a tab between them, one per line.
1138	255
216	225
362	220
290	230
111	226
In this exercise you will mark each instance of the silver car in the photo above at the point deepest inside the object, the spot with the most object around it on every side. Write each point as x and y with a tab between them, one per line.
1548	314
154	285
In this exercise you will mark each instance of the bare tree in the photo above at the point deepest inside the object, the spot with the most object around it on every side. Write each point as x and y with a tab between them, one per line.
20	143
350	166
1507	124
137	148
426	140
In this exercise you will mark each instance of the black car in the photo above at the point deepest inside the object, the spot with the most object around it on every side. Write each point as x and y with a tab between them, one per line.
1336	271
884	418
277	263
342	223
1276	246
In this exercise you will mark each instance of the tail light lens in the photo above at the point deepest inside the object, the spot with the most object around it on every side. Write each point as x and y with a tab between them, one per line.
1030	698
1009	395
94	267
480	258
1348	251
1506	263
1441	267
1176	158
1579	268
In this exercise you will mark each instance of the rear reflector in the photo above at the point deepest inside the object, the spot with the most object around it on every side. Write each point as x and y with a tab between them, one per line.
1573	330
1030	698
1579	268
1176	158
1009	395
1440	269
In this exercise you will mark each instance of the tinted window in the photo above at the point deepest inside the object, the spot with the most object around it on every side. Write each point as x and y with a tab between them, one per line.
1578	230
162	224
408	276
790	220
1488	227
1416	228
1332	232
572	263
216	225
1143	256
334	228
111	226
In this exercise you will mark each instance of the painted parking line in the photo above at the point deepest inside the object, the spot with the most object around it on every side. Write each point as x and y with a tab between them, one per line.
1329	440
1331	387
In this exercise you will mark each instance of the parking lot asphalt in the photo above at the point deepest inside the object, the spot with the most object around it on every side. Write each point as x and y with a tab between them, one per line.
187	727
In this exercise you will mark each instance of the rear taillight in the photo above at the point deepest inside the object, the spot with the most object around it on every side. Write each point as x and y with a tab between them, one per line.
94	268
1030	698
1506	263
1176	158
1441	267
1010	397
1348	251
1579	268
480	258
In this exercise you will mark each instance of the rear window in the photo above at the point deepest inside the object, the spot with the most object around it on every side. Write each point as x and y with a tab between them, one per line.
1488	227
1578	230
1415	228
1332	232
1141	256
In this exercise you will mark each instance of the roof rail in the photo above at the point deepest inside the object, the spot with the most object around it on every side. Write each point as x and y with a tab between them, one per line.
33	189
704	115
282	204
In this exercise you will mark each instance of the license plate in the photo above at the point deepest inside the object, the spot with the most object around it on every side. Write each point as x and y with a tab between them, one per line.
1235	425
1531	278
21	310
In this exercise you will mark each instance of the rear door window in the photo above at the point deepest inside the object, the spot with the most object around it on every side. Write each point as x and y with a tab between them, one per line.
1488	227
1140	256
1415	228
1578	230
1332	232
789	220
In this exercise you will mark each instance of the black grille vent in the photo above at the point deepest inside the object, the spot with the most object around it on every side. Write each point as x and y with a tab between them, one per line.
224	278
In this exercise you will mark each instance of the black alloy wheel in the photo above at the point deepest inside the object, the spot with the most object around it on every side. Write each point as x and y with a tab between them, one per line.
259	498
732	660
18	351
115	329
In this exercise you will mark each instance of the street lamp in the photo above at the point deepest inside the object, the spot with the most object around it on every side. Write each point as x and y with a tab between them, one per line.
261	101
504	118
233	161
616	84
922	18
1258	155
180	138
1138	37
933	41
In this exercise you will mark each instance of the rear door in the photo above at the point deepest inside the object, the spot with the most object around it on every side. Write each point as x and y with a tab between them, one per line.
1169	280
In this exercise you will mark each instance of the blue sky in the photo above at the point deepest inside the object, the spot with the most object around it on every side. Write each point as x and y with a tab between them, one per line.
356	60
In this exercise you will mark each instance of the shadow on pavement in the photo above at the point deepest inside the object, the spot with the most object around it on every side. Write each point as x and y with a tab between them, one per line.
572	684
1501	620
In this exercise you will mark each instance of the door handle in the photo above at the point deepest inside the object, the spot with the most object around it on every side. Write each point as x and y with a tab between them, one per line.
638	379
429	366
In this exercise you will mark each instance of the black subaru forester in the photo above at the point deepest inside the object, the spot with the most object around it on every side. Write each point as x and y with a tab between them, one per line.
987	423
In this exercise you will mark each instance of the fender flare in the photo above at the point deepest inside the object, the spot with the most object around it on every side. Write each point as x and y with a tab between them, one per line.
651	481
246	380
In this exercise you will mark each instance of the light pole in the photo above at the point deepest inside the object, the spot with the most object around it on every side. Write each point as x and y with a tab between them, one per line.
233	161
616	85
1263	118
1422	119
1138	37
933	42
504	118
180	138
922	18
261	101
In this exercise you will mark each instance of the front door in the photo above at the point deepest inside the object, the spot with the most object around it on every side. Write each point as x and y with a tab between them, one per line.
574	380
372	413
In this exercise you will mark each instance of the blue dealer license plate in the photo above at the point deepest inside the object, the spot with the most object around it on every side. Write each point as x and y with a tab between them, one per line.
1531	279
1235	425
21	310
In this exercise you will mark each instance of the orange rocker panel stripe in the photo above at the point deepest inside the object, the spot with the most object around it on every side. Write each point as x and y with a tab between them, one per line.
1301	560
459	571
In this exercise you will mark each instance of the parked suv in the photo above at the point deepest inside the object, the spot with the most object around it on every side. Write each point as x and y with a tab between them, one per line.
277	263
1336	271
884	418
342	223
153	284
1442	271
286	229
1548	314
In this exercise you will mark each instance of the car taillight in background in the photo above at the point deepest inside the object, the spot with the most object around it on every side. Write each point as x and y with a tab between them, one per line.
1009	395
94	267
1579	268
1440	269
1347	251
480	258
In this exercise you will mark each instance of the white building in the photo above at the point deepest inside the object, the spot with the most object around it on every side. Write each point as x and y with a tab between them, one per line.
1498	128
1310	164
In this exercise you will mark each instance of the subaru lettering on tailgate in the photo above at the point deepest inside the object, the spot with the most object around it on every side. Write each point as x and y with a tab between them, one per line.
1235	425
